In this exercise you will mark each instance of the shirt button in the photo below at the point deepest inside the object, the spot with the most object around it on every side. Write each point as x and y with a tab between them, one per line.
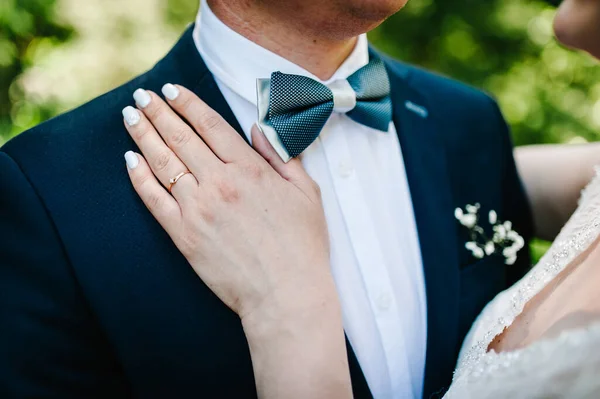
345	169
384	301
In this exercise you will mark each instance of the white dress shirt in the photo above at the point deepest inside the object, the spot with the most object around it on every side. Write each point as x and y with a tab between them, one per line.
375	255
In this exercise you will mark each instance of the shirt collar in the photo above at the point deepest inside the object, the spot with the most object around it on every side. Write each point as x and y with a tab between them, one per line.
237	62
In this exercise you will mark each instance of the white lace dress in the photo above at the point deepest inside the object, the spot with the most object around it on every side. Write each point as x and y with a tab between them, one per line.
567	366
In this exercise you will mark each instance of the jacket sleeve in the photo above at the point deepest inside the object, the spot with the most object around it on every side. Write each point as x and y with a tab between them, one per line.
49	343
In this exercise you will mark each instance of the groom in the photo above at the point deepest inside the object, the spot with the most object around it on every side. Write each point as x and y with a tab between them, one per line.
96	301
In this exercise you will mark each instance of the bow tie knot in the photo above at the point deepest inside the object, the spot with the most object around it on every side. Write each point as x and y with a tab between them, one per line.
292	109
344	96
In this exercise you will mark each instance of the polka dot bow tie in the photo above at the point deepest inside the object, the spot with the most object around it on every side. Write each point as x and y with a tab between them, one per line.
292	109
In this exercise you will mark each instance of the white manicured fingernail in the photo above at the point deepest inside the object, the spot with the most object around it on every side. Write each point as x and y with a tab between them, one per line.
131	115
142	98
131	159
170	91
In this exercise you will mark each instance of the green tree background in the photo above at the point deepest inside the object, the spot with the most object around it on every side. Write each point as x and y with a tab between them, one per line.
57	54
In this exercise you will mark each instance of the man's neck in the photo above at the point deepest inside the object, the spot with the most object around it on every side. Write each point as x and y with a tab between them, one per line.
318	56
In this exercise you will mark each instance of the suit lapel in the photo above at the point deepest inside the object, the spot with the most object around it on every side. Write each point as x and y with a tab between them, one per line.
425	160
196	77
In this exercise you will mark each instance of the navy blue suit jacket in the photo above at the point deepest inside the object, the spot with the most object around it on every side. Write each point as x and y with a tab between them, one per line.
96	301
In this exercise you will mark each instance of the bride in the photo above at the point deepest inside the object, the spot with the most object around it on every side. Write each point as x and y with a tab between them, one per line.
539	339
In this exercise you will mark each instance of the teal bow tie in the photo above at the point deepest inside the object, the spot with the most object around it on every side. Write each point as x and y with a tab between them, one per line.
292	109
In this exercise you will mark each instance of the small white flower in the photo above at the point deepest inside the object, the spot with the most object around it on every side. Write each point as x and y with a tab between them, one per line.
472	208
509	252
518	245
469	220
489	248
493	217
504	240
512	235
511	260
476	251
471	245
518	241
501	231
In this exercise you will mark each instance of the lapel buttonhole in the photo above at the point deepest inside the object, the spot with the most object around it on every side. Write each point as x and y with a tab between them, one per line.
417	109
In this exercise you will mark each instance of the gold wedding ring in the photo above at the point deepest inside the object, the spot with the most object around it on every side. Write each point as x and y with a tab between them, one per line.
174	180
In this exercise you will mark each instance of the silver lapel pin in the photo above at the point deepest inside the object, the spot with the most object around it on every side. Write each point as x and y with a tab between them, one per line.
417	109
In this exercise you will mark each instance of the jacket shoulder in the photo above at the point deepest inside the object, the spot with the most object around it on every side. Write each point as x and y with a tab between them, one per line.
437	87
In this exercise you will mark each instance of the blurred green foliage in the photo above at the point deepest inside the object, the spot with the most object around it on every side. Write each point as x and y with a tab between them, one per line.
538	249
547	93
22	22
57	54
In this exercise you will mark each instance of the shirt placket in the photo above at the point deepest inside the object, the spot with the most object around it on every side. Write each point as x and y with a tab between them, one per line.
366	246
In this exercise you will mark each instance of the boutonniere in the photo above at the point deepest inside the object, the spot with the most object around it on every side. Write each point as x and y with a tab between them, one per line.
505	241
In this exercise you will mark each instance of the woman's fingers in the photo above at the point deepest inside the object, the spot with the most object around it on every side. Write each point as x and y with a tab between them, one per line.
293	171
222	139
163	162
163	207
182	140
185	150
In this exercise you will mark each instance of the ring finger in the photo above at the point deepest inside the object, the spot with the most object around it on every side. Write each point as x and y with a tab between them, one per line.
162	160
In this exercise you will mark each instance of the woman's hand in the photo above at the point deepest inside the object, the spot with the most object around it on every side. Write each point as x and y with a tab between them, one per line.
254	233
253	229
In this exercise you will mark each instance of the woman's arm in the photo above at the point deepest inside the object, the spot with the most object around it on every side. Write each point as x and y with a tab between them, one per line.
253	229
553	176
301	353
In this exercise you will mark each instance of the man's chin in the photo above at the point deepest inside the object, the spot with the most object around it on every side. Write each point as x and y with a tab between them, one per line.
374	10
361	16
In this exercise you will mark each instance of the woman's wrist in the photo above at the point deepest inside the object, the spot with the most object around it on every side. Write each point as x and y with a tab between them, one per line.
297	306
305	337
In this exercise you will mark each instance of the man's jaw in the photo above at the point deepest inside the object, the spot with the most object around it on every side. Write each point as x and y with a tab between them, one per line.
320	55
